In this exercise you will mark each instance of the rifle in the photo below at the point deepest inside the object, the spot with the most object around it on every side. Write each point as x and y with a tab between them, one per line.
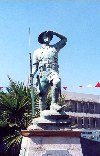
31	86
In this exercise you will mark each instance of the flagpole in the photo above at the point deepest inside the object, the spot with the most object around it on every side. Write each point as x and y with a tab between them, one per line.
31	81
29	31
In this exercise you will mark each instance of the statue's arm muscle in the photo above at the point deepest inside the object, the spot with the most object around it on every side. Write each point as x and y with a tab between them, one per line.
62	41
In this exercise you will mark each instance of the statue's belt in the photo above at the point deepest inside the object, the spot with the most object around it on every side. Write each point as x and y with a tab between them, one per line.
48	66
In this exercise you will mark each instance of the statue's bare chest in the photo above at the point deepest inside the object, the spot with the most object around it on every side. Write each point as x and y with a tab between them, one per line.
47	54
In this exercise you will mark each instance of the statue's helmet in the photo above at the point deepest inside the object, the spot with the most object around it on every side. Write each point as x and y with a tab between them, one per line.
46	33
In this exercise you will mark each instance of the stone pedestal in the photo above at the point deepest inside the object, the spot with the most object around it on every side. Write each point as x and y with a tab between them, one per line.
51	143
51	120
51	135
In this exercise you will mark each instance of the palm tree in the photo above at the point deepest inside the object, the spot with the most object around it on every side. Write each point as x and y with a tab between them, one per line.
15	115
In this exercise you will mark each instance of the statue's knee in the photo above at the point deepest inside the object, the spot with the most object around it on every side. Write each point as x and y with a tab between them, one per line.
56	81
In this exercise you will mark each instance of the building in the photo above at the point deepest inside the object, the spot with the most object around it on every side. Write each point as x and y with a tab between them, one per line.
84	109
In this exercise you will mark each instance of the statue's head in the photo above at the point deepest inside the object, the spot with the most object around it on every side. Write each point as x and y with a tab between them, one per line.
45	37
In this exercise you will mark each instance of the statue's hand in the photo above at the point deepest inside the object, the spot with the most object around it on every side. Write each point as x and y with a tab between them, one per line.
31	75
51	32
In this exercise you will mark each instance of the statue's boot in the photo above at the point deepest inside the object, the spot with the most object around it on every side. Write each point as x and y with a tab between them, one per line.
55	106
42	103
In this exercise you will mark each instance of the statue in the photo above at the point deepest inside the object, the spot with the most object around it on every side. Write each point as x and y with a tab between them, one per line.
45	62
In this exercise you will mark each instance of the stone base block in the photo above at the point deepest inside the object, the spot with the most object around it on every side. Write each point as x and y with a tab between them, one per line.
51	143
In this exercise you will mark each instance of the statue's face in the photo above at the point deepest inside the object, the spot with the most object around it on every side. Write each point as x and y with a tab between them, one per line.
46	39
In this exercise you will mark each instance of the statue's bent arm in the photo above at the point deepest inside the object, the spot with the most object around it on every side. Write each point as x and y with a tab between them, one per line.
62	41
35	64
34	69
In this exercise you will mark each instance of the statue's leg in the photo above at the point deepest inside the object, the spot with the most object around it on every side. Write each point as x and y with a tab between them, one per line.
43	89
56	90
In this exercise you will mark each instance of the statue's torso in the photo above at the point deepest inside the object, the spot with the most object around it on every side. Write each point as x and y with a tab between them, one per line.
48	56
47	59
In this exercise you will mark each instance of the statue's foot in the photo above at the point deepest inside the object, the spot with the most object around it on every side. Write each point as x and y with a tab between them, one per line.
55	107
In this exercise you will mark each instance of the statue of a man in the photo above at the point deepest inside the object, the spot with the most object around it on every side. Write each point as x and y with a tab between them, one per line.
45	61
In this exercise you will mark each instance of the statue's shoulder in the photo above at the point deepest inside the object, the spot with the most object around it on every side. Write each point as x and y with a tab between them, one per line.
53	47
37	51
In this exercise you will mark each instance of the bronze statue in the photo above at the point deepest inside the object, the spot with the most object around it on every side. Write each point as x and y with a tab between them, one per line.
45	62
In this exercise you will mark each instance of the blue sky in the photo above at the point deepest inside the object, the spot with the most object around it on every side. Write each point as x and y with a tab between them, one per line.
79	21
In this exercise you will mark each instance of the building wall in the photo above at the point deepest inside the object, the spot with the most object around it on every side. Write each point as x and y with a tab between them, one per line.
89	110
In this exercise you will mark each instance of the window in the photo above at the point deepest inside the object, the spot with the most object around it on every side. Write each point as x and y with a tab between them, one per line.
87	108
76	107
82	107
94	122
93	108
76	120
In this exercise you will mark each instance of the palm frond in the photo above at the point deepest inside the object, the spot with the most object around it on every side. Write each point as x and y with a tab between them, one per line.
12	141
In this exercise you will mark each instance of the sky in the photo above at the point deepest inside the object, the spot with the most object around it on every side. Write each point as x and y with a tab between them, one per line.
79	21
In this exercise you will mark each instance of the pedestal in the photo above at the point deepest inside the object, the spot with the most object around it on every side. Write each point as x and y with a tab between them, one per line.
51	143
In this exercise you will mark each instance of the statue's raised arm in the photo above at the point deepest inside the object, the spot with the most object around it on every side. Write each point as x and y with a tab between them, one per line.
62	41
